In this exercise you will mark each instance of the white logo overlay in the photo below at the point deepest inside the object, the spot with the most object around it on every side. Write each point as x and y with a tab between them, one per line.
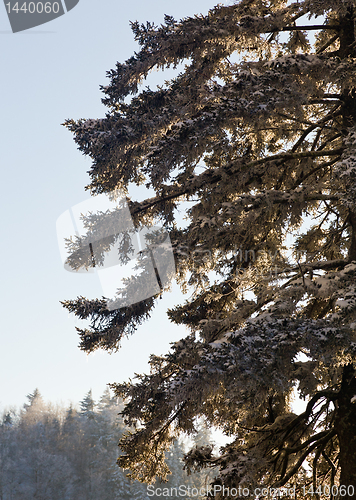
98	235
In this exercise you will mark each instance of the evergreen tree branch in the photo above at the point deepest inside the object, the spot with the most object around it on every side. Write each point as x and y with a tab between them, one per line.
327	43
310	27
212	177
323	441
333	468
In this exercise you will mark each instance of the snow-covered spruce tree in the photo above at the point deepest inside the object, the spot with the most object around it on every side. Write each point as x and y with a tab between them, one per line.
258	133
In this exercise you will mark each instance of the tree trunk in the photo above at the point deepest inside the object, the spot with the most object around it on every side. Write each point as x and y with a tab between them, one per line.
347	34
347	48
345	425
345	419
352	249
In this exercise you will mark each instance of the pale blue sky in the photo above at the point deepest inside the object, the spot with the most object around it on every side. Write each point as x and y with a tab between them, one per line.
48	74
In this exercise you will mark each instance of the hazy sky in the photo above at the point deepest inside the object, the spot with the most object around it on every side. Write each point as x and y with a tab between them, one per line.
48	74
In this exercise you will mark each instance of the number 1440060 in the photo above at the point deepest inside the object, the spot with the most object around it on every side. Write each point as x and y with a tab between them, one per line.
33	7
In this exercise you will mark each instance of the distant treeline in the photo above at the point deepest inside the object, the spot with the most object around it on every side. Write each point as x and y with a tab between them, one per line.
51	452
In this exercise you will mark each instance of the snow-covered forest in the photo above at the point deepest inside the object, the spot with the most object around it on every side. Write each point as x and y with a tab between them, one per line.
53	452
